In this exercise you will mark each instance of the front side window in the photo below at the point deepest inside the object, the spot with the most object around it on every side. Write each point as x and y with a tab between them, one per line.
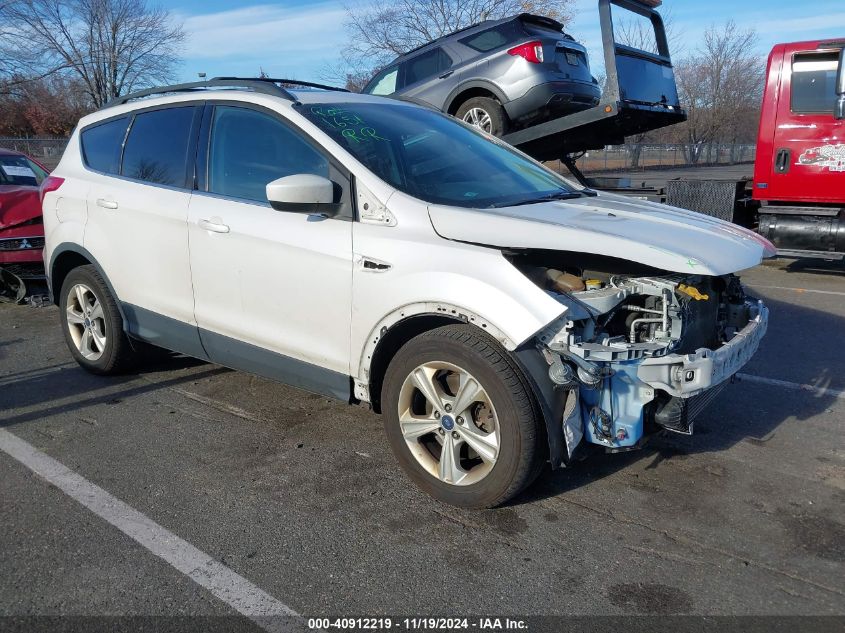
425	65
250	149
157	147
814	83
20	171
435	158
101	145
384	83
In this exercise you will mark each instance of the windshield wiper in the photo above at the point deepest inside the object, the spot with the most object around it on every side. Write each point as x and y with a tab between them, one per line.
559	195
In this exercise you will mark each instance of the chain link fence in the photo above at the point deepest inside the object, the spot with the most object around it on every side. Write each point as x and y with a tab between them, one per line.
632	157
46	151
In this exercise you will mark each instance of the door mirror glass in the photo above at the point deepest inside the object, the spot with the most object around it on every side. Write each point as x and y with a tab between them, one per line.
304	193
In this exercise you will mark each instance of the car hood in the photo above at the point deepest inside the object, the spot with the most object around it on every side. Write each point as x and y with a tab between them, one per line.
649	233
18	205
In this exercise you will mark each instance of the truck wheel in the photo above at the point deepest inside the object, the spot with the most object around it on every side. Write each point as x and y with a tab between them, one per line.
461	419
92	323
485	113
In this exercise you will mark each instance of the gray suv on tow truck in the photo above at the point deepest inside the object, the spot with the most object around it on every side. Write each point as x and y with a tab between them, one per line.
497	75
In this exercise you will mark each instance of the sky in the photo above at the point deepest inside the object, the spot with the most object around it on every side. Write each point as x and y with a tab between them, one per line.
301	40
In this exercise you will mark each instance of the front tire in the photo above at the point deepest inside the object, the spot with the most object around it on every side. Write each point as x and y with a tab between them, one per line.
461	418
92	323
484	113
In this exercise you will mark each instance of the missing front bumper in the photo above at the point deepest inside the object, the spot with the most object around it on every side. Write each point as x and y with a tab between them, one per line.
688	375
678	414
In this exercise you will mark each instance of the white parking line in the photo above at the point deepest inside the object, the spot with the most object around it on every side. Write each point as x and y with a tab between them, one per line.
795	386
225	584
799	290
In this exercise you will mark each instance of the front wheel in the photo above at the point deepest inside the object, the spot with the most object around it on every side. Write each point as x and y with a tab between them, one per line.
461	418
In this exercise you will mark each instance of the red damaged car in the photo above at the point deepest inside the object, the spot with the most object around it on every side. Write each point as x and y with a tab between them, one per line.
21	225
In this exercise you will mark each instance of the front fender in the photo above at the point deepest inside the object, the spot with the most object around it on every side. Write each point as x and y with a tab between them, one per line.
511	317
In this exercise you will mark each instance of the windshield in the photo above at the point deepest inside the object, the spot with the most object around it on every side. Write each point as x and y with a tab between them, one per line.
435	158
19	170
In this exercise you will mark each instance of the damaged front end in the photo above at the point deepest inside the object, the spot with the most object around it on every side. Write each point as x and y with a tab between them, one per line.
638	349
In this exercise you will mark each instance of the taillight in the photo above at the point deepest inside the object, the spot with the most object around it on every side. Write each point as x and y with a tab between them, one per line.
51	183
532	51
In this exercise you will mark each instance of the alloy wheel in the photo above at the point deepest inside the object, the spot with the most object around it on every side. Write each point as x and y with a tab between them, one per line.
449	423
479	118
86	321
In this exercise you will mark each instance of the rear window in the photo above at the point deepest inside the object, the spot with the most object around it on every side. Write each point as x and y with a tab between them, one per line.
101	145
157	146
494	38
814	83
20	171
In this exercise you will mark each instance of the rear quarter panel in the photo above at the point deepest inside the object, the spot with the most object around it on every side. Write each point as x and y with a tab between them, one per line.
65	210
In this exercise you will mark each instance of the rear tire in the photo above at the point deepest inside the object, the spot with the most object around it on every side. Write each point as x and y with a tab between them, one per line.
485	113
92	324
495	443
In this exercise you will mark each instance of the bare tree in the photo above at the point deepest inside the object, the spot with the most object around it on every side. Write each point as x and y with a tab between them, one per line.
721	86
111	46
637	31
382	29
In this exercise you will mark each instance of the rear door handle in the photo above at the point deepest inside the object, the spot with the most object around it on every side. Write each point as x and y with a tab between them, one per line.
446	74
214	227
106	204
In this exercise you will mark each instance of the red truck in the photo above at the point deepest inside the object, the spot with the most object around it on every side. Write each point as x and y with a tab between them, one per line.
797	198
799	174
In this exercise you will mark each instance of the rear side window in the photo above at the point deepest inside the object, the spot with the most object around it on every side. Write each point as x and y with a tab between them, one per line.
814	83
494	38
101	145
157	147
426	65
250	149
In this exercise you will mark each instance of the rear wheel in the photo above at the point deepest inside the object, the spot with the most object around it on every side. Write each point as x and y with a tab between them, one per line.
92	324
461	419
485	113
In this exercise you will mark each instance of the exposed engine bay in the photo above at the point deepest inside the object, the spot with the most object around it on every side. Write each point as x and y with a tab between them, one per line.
640	348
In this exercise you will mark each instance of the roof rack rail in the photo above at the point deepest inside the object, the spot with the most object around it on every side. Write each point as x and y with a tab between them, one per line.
443	37
257	85
289	82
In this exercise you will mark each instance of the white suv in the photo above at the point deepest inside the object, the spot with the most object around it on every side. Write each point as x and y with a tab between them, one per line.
497	315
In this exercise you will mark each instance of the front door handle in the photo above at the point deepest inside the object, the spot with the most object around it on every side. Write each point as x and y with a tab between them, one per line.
214	227
782	160
106	204
446	74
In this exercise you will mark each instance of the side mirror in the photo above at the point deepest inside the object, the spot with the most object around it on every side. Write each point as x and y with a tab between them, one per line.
304	193
839	105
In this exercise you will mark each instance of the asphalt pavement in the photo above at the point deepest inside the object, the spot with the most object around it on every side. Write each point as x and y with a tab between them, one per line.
300	497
